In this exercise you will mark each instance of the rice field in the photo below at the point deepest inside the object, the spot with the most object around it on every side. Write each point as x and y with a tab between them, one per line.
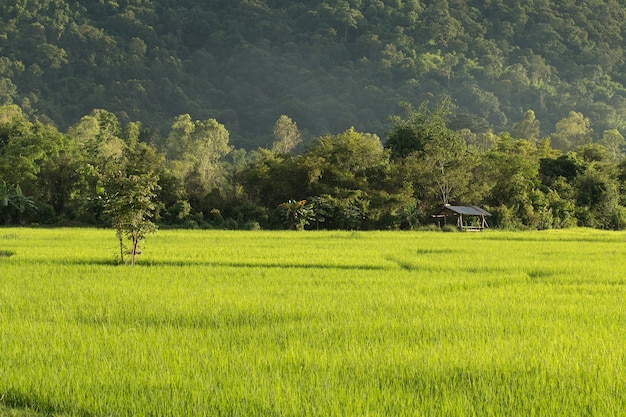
225	323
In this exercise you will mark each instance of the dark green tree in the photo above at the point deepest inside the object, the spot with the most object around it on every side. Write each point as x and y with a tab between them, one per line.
22	147
435	157
512	172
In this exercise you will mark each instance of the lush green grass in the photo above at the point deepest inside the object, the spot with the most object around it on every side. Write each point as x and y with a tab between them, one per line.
313	323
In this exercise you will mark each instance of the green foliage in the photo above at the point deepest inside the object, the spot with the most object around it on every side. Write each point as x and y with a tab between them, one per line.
598	199
412	215
327	64
614	142
129	196
348	211
434	156
199	75
298	214
346	160
14	204
22	146
352	181
286	134
527	128
572	132
273	179
419	128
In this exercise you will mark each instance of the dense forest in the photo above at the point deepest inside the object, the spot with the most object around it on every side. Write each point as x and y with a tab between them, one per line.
355	114
326	64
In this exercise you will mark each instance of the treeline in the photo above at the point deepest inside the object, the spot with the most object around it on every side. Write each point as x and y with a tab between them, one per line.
101	171
327	64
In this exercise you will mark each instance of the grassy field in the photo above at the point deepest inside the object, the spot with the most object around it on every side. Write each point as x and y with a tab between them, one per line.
313	324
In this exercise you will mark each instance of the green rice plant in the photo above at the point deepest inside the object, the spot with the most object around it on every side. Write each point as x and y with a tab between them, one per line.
313	324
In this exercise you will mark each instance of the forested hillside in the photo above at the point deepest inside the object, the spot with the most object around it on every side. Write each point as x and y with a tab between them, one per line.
359	114
326	64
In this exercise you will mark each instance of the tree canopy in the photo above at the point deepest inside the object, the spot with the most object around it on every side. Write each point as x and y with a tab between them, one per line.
102	171
353	114
326	65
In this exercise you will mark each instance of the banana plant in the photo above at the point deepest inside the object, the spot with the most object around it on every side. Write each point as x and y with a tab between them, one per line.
14	202
298	214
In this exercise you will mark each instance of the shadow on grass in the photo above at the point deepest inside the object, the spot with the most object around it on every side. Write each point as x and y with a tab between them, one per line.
17	412
435	251
404	264
6	253
278	265
216	320
219	264
539	237
14	403
410	263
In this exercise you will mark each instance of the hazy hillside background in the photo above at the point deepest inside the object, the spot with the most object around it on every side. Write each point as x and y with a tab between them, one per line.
328	65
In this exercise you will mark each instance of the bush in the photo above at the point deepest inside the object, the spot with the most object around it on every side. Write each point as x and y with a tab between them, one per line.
178	212
250	213
251	226
504	218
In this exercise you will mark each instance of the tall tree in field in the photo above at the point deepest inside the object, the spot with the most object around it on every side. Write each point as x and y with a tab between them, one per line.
129	194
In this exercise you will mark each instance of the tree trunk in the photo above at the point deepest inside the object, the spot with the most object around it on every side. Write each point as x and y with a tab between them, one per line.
120	237
134	250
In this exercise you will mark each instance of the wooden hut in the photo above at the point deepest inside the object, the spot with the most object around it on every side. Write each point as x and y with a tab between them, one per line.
467	218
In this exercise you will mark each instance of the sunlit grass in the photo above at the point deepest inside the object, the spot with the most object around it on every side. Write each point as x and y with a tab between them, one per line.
313	323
